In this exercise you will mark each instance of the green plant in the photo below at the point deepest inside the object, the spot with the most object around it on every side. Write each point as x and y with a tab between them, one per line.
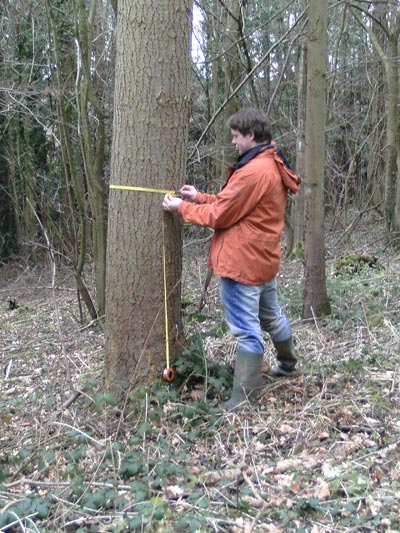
194	368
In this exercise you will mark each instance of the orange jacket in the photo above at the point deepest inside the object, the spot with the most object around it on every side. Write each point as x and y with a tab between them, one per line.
247	216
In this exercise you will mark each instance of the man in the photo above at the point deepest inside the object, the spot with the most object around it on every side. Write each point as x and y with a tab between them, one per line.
248	219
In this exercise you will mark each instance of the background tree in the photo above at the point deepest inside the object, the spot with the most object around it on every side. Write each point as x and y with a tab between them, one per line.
93	139
232	68
80	101
23	134
151	116
376	164
55	135
297	218
8	244
384	36
315	297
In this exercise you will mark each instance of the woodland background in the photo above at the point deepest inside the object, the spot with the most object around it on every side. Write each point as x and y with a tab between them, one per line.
320	453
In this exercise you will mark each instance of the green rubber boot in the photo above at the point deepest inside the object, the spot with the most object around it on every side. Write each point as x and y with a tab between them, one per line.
247	379
286	357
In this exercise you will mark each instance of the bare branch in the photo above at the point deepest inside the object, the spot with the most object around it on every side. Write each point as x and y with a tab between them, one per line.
243	82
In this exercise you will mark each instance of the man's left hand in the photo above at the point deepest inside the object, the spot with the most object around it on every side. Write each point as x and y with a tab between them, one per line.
171	203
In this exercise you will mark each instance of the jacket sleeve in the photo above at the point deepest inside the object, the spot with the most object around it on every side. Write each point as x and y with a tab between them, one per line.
240	196
204	198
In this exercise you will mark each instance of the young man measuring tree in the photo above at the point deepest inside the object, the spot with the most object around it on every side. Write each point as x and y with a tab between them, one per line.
248	219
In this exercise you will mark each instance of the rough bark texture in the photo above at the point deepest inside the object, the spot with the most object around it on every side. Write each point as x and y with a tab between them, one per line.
315	300
298	211
392	134
376	164
151	111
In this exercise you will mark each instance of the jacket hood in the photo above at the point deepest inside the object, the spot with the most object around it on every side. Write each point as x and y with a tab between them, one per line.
290	178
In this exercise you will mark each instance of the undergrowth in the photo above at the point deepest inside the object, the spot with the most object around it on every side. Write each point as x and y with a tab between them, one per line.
316	453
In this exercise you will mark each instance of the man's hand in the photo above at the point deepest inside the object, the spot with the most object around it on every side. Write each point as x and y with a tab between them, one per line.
171	203
188	193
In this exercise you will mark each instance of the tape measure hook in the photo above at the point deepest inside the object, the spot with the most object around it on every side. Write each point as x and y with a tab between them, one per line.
168	374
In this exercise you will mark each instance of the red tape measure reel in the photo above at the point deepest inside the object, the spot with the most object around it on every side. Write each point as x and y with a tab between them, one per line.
168	374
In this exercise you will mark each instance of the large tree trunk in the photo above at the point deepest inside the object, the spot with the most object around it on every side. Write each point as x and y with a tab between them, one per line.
315	300
151	115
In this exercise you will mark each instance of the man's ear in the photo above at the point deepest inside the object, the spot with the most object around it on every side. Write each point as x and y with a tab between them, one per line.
252	135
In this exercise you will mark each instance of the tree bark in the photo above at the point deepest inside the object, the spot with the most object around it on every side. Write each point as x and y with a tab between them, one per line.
392	182
315	297
92	123
376	164
298	202
151	116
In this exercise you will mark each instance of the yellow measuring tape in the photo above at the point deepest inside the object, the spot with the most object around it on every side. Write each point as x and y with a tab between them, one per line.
142	189
165	297
168	373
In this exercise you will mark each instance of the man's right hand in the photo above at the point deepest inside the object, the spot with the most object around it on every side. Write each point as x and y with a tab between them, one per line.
188	193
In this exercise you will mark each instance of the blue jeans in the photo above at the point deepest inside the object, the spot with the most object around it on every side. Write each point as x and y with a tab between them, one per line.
251	309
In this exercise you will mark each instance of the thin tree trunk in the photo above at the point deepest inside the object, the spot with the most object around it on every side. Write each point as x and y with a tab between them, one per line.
315	293
376	164
78	256
231	75
93	157
216	31
298	202
392	188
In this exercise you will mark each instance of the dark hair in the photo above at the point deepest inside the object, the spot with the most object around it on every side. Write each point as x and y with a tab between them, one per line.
252	119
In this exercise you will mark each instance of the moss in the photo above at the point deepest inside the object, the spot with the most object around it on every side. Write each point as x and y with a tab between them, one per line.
354	263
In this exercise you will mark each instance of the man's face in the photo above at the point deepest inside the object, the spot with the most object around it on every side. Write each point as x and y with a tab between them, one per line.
243	143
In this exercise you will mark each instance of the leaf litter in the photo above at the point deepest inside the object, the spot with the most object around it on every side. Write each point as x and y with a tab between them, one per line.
317	453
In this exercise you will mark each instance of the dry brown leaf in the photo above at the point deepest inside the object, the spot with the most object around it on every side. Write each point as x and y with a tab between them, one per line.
296	485
194	469
288	464
213	477
323	492
271	528
304	460
286	428
377	475
195	394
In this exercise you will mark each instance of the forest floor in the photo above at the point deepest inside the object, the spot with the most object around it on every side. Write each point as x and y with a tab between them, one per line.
316	453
